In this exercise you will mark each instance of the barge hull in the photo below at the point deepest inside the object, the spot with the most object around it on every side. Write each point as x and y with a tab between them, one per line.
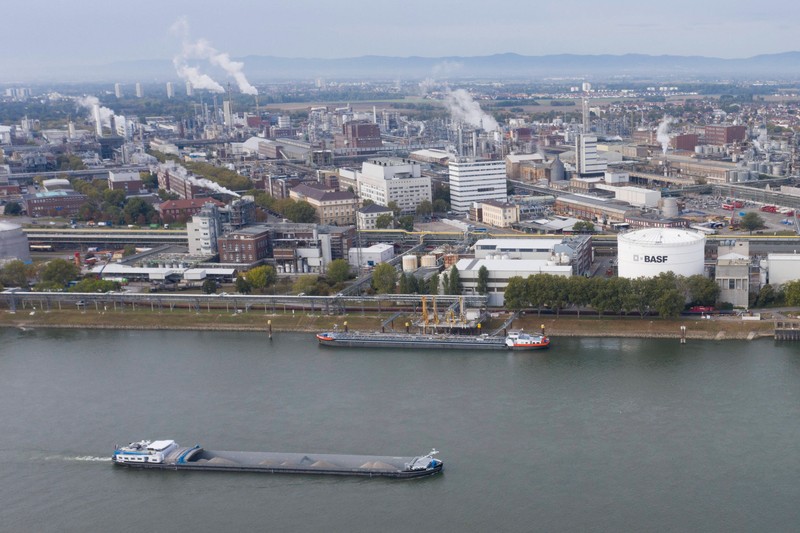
288	463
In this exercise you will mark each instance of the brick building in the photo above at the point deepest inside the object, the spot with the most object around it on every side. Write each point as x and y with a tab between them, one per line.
53	203
720	134
245	245
182	210
333	207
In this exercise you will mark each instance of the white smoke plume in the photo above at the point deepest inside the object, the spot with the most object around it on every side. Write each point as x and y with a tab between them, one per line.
100	113
208	184
202	49
465	109
662	133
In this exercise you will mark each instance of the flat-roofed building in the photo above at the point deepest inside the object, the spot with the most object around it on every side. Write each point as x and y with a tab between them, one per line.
733	277
53	203
332	207
128	181
476	180
500	271
499	214
245	245
392	179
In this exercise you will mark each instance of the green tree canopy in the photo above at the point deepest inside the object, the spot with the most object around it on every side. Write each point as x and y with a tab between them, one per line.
483	280
425	208
59	272
751	221
384	278
310	285
242	285
791	291
406	222
261	277
384	221
454	281
209	286
16	274
13	209
94	285
338	271
516	294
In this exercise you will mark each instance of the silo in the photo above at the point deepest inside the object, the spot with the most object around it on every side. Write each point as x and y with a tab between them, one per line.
409	263
429	260
13	243
669	208
652	251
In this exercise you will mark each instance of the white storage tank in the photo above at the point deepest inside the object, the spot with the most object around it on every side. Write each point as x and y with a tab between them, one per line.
409	263
429	260
13	243
652	251
669	208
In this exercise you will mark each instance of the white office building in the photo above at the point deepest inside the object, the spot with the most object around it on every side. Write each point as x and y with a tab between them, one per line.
475	180
587	162
203	230
391	179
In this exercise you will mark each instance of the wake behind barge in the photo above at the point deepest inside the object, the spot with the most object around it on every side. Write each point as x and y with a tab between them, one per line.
512	341
167	455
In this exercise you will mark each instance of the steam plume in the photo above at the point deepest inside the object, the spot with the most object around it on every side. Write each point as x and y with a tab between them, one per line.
100	114
662	133
464	108
202	49
208	184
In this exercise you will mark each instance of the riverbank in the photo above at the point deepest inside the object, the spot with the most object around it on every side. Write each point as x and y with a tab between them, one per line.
718	328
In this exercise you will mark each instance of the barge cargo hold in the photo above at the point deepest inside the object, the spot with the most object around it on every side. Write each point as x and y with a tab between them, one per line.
513	341
167	455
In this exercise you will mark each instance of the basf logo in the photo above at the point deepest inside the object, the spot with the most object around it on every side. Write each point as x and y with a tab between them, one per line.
651	258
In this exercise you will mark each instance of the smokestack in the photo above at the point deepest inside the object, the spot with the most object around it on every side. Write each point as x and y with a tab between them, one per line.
460	140
475	143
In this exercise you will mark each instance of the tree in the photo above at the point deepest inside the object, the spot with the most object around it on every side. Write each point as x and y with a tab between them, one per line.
702	290
366	201
394	207
13	209
301	212
483	280
402	284
384	221
94	285
440	206
791	292
454	281
516	294
384	278
114	197
209	286
425	208
242	285
338	271
406	222
57	273
432	286
583	226
751	221
129	250
766	295
261	277
136	208
16	274
310	285
670	303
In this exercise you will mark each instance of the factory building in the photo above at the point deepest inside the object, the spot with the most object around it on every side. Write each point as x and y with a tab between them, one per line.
475	180
390	179
501	269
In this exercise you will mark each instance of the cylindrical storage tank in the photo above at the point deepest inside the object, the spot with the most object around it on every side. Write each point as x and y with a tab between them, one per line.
670	208
652	251
409	263
13	243
429	260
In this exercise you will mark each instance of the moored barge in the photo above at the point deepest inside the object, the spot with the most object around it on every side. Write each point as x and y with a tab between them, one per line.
512	341
168	455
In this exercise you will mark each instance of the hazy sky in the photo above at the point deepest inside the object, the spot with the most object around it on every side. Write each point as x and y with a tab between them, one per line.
40	33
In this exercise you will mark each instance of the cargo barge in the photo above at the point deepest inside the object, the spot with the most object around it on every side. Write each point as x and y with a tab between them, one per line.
168	455
512	341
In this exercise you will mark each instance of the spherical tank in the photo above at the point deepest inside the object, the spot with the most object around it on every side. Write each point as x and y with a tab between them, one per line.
650	252
13	243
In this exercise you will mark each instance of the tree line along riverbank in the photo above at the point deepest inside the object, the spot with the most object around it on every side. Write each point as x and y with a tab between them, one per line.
564	326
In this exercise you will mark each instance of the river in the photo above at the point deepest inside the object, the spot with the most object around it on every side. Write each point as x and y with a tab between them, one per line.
591	435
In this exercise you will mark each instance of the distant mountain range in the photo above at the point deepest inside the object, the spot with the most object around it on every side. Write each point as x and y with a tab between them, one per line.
259	69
